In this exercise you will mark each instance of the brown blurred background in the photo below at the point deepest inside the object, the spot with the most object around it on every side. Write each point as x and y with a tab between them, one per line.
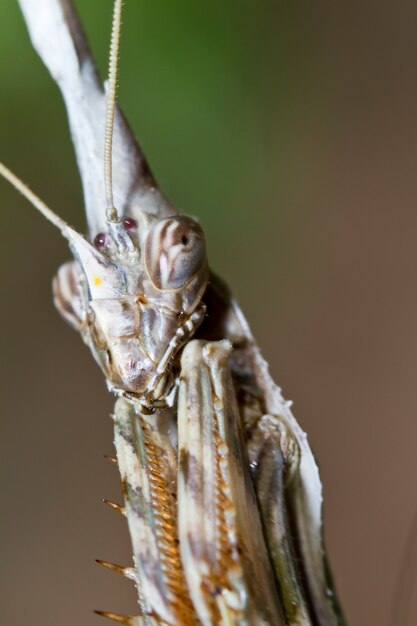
290	129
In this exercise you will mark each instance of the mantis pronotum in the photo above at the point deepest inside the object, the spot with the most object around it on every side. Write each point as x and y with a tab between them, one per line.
222	493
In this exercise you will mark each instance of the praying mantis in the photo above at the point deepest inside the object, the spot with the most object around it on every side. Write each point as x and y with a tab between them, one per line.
221	491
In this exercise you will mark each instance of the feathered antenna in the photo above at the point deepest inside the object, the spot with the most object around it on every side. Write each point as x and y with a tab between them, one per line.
111	211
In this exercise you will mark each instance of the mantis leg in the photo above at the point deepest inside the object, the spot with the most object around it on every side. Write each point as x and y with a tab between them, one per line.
147	464
288	490
225	557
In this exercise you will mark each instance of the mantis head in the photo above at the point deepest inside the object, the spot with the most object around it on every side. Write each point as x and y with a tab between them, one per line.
134	289
134	293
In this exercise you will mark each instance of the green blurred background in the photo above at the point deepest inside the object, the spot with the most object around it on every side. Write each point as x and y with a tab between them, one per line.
290	129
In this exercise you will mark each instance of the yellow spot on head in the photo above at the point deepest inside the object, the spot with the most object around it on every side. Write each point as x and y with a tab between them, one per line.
97	281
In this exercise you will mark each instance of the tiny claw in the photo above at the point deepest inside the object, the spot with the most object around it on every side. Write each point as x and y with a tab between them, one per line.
128	572
115	506
110	458
127	620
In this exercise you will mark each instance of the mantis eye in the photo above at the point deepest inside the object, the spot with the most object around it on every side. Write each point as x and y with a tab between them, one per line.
101	241
130	224
175	250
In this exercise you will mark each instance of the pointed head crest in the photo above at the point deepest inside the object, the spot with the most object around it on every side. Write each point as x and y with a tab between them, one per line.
144	279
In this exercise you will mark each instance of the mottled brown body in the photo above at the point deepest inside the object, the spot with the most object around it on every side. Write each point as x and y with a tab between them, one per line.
222	493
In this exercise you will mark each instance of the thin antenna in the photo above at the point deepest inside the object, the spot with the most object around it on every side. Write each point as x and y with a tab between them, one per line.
111	212
33	199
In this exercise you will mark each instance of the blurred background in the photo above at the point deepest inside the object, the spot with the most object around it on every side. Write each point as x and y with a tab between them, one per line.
290	129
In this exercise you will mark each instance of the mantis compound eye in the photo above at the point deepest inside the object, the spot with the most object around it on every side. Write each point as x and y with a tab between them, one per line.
101	241
175	250
130	224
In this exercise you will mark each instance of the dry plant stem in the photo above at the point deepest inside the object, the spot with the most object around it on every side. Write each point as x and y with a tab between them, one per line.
265	491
